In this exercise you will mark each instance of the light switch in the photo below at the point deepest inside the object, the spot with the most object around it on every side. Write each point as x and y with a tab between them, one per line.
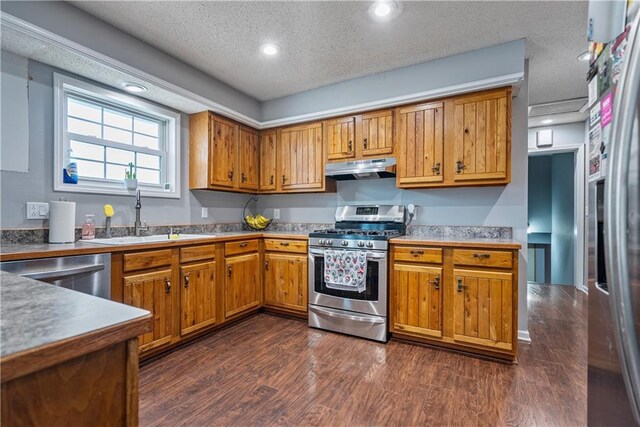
276	214
37	210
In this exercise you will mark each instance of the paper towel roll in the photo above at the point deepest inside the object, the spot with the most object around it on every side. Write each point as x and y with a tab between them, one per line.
62	222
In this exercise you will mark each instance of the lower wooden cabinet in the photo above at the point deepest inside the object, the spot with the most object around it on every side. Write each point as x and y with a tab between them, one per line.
242	288
153	291
418	299
285	281
197	296
483	308
463	298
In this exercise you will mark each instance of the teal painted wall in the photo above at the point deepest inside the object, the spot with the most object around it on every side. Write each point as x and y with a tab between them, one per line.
562	219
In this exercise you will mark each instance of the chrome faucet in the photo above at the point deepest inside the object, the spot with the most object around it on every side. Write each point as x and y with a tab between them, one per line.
139	225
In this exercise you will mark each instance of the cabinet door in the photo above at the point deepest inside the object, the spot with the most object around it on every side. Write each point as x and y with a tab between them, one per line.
242	284
377	133
483	308
224	142
268	155
339	137
248	153
197	297
418	299
301	157
153	292
481	132
286	281
420	134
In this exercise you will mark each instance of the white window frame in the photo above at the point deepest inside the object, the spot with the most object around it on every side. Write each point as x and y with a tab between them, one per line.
170	172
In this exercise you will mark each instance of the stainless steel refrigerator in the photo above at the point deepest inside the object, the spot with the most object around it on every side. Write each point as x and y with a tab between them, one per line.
614	260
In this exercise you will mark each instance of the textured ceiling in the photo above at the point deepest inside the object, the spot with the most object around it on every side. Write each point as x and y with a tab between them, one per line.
329	42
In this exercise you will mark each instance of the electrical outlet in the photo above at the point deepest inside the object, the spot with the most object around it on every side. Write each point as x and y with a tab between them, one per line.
276	214
37	210
205	212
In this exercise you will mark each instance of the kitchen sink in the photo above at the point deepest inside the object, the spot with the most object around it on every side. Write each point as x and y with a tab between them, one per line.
133	240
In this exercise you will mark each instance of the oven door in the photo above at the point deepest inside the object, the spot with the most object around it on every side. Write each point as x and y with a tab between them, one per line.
372	301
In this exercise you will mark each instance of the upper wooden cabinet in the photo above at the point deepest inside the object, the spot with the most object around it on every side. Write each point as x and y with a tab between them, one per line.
376	135
301	158
339	137
222	154
248	159
420	134
480	134
268	160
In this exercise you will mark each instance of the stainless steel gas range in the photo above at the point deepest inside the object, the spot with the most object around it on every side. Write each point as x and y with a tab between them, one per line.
360	232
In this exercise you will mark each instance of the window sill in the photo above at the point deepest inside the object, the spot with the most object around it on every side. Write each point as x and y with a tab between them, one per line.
117	191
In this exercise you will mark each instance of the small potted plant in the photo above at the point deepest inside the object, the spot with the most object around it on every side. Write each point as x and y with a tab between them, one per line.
130	180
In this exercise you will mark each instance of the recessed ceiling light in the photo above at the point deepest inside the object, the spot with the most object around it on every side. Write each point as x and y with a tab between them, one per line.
134	87
270	49
384	10
547	121
584	57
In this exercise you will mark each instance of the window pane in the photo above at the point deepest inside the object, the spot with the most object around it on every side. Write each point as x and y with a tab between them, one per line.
148	161
117	119
117	135
116	171
148	176
145	126
119	156
83	128
89	169
84	110
87	151
145	141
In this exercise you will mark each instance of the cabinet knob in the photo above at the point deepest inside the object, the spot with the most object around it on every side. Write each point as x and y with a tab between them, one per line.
460	166
243	244
230	175
186	280
365	143
482	256
266	265
284	243
229	271
167	285
350	146
243	177
436	282
461	285
271	180
436	168
416	252
284	179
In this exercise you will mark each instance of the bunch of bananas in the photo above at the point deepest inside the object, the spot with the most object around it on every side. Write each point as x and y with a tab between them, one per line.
257	221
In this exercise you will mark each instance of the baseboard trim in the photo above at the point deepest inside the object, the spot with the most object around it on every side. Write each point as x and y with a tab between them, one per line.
523	335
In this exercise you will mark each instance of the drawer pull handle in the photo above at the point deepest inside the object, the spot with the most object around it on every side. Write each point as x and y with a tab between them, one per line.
284	243
229	271
482	256
167	286
243	244
416	252
461	285
436	282
186	280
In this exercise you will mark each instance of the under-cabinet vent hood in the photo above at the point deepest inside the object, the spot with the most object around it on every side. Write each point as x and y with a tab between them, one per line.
362	169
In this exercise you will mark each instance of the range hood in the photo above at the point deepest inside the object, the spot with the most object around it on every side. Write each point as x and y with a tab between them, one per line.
362	169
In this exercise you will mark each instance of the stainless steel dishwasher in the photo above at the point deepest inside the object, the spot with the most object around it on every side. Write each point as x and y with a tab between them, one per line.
90	274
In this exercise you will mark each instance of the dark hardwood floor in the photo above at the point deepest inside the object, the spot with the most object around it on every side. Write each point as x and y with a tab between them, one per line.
270	370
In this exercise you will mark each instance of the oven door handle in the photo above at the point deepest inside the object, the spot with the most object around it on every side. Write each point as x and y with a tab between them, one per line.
370	255
342	315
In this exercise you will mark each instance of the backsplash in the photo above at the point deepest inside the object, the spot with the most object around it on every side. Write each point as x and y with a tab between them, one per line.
41	235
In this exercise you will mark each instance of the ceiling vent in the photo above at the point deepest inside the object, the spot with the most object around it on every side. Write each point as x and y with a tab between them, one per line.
553	113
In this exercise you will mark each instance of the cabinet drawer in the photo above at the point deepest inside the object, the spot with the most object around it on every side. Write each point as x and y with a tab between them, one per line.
418	254
281	245
499	259
241	247
150	259
197	253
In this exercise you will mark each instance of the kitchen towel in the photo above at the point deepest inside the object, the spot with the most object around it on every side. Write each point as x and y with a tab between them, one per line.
62	222
345	270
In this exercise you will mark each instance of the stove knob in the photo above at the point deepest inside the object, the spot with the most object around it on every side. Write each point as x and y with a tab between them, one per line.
369	244
321	242
361	244
329	242
345	243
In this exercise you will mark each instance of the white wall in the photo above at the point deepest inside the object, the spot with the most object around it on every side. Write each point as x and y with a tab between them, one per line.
14	154
37	185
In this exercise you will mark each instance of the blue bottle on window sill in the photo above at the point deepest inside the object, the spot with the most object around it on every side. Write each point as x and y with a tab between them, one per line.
70	173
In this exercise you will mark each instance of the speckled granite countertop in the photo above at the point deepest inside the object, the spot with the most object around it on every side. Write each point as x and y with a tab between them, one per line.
36	318
458	241
17	251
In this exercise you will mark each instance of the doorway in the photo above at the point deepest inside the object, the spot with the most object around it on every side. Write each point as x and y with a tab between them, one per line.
552	225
